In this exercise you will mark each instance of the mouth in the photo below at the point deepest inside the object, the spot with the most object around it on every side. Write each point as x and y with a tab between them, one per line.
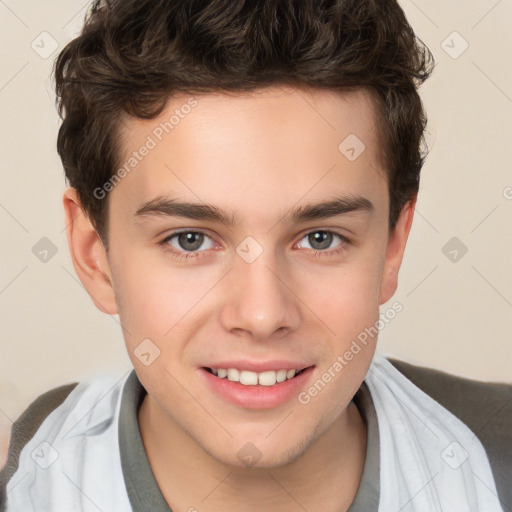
257	390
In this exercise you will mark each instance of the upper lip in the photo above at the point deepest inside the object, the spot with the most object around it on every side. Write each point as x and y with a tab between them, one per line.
259	366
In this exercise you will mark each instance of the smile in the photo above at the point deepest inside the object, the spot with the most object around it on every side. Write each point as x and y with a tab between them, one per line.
248	378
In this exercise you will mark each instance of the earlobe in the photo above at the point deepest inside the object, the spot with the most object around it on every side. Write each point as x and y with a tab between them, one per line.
395	251
88	254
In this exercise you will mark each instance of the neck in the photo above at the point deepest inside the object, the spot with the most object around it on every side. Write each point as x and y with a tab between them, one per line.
325	477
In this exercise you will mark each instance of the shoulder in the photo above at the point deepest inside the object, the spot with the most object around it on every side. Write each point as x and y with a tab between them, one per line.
481	405
90	403
24	428
485	407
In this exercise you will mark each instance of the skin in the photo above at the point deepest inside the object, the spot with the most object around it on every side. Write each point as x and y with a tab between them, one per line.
259	155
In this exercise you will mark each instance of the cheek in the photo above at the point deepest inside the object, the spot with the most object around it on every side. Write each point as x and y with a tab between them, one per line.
345	297
154	298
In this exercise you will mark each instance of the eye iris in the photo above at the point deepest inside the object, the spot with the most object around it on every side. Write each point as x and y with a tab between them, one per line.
187	238
322	237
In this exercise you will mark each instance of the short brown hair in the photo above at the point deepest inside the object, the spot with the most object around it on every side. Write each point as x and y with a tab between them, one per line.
133	54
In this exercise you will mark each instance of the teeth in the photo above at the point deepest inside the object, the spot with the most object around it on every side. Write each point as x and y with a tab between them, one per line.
248	378
233	375
267	378
281	375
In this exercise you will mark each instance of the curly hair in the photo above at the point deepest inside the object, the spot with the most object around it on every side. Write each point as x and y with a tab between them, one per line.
132	55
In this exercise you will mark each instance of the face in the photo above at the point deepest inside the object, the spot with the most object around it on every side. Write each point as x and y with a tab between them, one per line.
238	276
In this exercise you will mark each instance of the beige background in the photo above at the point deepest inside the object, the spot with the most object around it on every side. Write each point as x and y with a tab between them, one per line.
456	316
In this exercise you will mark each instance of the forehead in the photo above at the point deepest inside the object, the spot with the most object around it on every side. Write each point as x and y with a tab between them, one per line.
266	146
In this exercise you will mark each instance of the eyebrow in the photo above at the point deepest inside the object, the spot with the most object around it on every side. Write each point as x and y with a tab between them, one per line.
168	207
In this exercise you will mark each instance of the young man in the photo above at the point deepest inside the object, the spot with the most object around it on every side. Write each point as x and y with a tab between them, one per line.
243	181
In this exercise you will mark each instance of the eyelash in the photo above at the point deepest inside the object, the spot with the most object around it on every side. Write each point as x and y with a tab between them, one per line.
183	255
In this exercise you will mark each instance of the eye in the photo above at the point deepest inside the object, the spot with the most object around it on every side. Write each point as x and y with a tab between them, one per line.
320	240
185	244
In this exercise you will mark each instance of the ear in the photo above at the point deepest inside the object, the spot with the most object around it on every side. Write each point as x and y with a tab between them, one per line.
88	254
395	251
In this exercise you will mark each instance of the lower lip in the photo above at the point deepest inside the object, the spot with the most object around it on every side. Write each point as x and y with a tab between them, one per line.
257	397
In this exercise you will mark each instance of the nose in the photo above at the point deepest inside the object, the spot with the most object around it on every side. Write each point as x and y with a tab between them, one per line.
259	299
